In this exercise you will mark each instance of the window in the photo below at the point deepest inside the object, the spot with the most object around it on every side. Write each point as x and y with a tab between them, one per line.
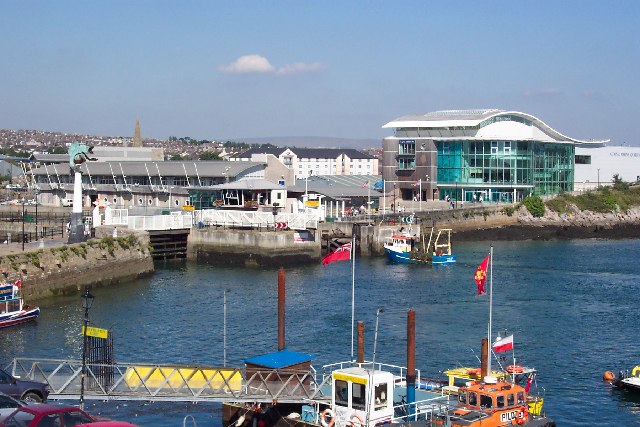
342	395
462	397
381	393
358	396
473	398
510	400
500	401
494	147
75	418
486	401
583	160
520	397
507	147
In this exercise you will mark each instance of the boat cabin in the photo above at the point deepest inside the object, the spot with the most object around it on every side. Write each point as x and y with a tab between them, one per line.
402	242
497	403
362	396
9	299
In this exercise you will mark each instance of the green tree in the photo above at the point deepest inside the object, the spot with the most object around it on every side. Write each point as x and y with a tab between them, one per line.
534	205
175	157
209	155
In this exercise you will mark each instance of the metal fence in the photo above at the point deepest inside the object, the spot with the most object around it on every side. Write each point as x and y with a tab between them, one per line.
255	219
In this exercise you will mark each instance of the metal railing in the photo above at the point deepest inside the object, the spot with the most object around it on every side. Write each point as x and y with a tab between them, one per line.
152	382
255	219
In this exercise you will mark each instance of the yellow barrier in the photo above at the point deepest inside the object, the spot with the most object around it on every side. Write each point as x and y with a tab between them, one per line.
154	377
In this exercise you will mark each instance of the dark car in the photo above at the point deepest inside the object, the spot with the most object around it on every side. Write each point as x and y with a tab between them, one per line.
8	404
28	391
47	416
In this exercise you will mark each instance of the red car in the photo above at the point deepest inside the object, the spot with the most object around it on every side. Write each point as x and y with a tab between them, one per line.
47	416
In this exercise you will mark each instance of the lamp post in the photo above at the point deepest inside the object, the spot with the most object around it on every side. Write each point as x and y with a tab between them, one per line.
426	179
37	191
22	225
87	301
375	336
394	198
456	193
170	200
598	178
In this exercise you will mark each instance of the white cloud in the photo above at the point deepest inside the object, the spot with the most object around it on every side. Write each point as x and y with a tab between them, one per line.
249	64
259	64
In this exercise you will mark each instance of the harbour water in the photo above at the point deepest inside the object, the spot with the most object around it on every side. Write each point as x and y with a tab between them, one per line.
571	305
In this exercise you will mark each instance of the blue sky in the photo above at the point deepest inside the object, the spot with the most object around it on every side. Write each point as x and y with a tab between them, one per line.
234	69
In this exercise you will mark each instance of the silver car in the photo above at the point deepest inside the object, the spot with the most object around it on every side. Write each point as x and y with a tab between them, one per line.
8	404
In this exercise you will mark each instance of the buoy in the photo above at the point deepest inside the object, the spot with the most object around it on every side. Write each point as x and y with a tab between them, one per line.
240	420
608	376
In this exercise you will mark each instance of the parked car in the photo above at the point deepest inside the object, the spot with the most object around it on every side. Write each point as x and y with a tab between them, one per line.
28	391
8	404
47	416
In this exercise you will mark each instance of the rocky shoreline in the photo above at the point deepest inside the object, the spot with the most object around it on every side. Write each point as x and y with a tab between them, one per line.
574	225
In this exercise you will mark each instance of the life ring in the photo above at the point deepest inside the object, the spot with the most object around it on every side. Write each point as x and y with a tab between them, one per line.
356	421
323	418
521	417
515	369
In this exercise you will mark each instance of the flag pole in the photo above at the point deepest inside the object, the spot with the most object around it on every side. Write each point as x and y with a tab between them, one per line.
490	308
353	285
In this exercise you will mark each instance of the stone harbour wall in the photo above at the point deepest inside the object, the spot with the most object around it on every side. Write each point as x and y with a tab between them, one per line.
250	248
67	269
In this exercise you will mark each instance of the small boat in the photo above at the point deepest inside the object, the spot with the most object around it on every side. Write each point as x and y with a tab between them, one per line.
628	382
404	248
12	307
493	402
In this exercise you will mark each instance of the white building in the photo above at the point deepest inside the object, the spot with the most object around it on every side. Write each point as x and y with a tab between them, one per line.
305	162
596	166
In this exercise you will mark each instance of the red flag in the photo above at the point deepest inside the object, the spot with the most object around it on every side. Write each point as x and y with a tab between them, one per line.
481	275
529	381
343	253
18	283
503	344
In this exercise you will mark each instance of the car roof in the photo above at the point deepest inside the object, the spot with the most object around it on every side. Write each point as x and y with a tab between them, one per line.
44	408
108	424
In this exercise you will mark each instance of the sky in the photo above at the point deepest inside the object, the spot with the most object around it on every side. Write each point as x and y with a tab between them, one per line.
232	69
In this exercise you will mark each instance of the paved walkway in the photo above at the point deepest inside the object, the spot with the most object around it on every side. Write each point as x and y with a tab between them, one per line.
15	248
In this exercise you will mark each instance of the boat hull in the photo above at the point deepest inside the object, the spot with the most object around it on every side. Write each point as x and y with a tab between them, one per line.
15	318
407	258
403	257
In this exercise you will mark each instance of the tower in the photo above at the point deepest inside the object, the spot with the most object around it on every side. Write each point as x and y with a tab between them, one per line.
137	139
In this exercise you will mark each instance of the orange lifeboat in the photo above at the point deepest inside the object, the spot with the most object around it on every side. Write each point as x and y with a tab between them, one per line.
493	404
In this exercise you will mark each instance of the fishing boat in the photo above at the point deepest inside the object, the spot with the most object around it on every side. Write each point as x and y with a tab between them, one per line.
405	248
12	308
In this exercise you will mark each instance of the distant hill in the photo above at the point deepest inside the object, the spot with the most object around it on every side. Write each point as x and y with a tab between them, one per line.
315	142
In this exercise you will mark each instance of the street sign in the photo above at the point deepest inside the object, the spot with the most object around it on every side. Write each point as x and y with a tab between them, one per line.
280	225
95	332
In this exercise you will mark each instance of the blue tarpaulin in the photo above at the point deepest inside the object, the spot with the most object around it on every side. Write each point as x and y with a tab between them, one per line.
280	359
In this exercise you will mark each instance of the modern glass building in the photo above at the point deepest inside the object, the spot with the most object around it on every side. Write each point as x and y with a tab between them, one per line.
468	155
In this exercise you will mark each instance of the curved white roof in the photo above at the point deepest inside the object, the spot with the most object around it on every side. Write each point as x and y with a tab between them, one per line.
459	119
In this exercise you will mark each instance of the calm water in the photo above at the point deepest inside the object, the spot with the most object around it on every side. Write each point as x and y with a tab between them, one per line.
571	306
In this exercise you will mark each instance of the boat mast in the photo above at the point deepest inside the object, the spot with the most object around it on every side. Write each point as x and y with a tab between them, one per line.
490	310
353	286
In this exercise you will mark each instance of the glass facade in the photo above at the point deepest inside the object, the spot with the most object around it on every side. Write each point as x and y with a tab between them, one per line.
496	168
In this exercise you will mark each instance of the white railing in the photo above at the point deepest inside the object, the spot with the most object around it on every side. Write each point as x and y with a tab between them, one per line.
175	221
116	216
217	217
228	218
